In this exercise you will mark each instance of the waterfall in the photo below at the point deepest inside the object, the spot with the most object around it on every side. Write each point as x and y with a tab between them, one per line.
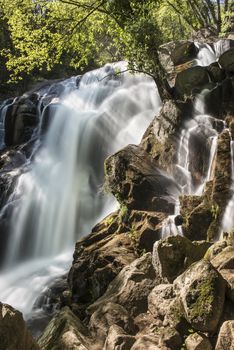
203	128
228	218
58	198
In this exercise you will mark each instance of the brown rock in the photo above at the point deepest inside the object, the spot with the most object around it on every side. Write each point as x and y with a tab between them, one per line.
197	341
161	300
13	332
65	331
173	255
131	287
226	336
201	290
118	339
98	258
147	342
160	139
108	315
133	178
191	80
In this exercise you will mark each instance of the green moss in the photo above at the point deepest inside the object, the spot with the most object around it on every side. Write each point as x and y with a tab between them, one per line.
124	213
108	221
201	307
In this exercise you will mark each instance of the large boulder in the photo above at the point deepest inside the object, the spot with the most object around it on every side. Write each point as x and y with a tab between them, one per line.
201	290
145	228
108	315
161	137
131	287
133	178
147	342
224	263
161	300
21	119
13	332
191	81
197	341
226	336
98	258
226	61
118	339
173	255
65	331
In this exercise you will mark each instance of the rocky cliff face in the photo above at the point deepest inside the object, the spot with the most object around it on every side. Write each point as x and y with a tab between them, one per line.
129	287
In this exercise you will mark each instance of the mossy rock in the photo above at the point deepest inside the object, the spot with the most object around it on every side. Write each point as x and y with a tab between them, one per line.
201	290
174	254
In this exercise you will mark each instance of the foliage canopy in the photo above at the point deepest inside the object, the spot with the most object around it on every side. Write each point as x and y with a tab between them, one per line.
38	36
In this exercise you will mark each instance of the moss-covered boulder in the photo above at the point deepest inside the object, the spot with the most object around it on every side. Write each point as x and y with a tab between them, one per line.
201	290
173	255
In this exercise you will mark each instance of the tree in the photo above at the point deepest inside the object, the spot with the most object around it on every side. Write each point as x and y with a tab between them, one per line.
211	14
50	34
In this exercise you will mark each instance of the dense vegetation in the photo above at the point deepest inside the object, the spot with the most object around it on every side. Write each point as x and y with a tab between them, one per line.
52	38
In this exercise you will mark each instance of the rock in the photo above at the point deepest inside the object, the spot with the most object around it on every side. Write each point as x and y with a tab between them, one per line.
191	81
131	287
226	336
173	55
118	339
132	177
145	228
228	276
226	61
108	315
184	52
215	249
225	259
179	220
224	262
13	332
160	139
197	341
197	216
98	258
20	120
161	301
216	73
170	338
147	342
199	152
65	331
173	255
201	290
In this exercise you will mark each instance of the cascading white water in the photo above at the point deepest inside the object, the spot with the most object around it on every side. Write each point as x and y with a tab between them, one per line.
228	218
58	198
201	124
